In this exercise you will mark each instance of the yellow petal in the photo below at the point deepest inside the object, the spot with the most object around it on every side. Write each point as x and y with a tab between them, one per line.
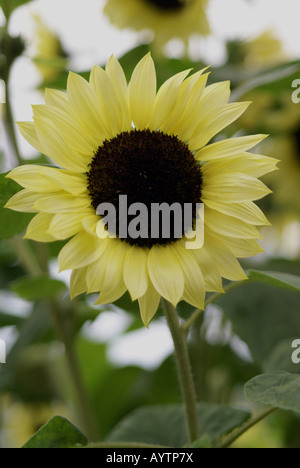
62	202
232	188
166	273
204	132
38	228
165	100
142	91
255	165
108	101
135	272
90	222
190	90
31	177
64	225
56	98
149	303
246	211
225	148
70	130
28	131
242	248
211	276
83	100
78	282
113	286
226	263
23	201
56	148
79	252
229	226
118	80
194	290
45	179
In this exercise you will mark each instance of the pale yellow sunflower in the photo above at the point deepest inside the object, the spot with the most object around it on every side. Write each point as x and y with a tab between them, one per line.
49	56
111	138
264	50
167	19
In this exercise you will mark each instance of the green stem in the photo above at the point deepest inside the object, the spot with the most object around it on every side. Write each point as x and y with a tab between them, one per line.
244	428
8	117
184	371
130	445
9	124
63	324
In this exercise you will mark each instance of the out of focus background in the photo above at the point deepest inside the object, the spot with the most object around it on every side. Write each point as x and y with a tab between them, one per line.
121	365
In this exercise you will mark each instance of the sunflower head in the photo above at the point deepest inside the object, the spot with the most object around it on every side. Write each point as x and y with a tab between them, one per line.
132	151
167	19
50	57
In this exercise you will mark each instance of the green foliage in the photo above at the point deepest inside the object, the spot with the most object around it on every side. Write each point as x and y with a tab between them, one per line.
164	424
57	433
41	287
280	389
263	314
273	80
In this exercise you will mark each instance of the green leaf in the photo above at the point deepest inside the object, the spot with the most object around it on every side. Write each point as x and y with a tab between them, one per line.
7	320
165	424
274	278
11	222
57	433
280	389
280	358
263	315
8	6
41	287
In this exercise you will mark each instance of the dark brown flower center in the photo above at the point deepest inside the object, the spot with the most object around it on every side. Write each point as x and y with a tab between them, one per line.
149	168
168	4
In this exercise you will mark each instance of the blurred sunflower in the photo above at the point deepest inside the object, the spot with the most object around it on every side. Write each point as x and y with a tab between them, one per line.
167	19
50	58
264	50
110	138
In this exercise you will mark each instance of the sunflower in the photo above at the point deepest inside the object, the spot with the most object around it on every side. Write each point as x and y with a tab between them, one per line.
50	58
167	19
110	139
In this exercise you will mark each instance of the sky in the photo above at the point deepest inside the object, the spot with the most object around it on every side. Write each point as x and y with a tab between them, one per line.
90	39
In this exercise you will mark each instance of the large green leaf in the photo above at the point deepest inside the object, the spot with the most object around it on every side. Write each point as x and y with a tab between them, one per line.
280	389
165	424
41	287
274	278
57	433
11	222
262	314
